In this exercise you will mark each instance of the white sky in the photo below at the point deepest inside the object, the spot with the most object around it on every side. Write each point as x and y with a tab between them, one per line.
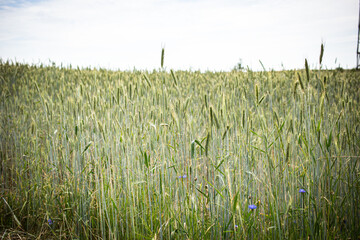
197	34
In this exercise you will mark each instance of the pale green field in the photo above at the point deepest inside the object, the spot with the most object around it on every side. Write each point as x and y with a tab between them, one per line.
100	154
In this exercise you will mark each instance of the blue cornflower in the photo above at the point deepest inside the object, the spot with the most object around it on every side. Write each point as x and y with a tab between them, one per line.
302	190
236	226
184	176
50	222
252	206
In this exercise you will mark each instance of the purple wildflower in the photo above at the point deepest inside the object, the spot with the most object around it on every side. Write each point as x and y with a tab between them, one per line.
302	190
50	222
184	176
252	207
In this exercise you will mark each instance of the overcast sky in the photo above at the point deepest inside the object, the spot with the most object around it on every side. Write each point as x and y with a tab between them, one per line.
197	34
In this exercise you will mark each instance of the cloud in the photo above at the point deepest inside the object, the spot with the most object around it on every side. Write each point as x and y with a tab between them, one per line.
196	33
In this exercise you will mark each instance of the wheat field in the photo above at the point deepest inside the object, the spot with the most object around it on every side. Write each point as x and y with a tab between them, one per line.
100	154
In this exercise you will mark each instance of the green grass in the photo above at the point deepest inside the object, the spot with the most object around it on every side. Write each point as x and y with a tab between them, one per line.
100	153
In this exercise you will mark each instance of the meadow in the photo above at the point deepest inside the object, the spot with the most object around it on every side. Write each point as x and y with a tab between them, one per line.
100	154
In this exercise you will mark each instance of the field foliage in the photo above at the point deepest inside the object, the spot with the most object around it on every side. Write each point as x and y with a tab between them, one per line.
100	154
